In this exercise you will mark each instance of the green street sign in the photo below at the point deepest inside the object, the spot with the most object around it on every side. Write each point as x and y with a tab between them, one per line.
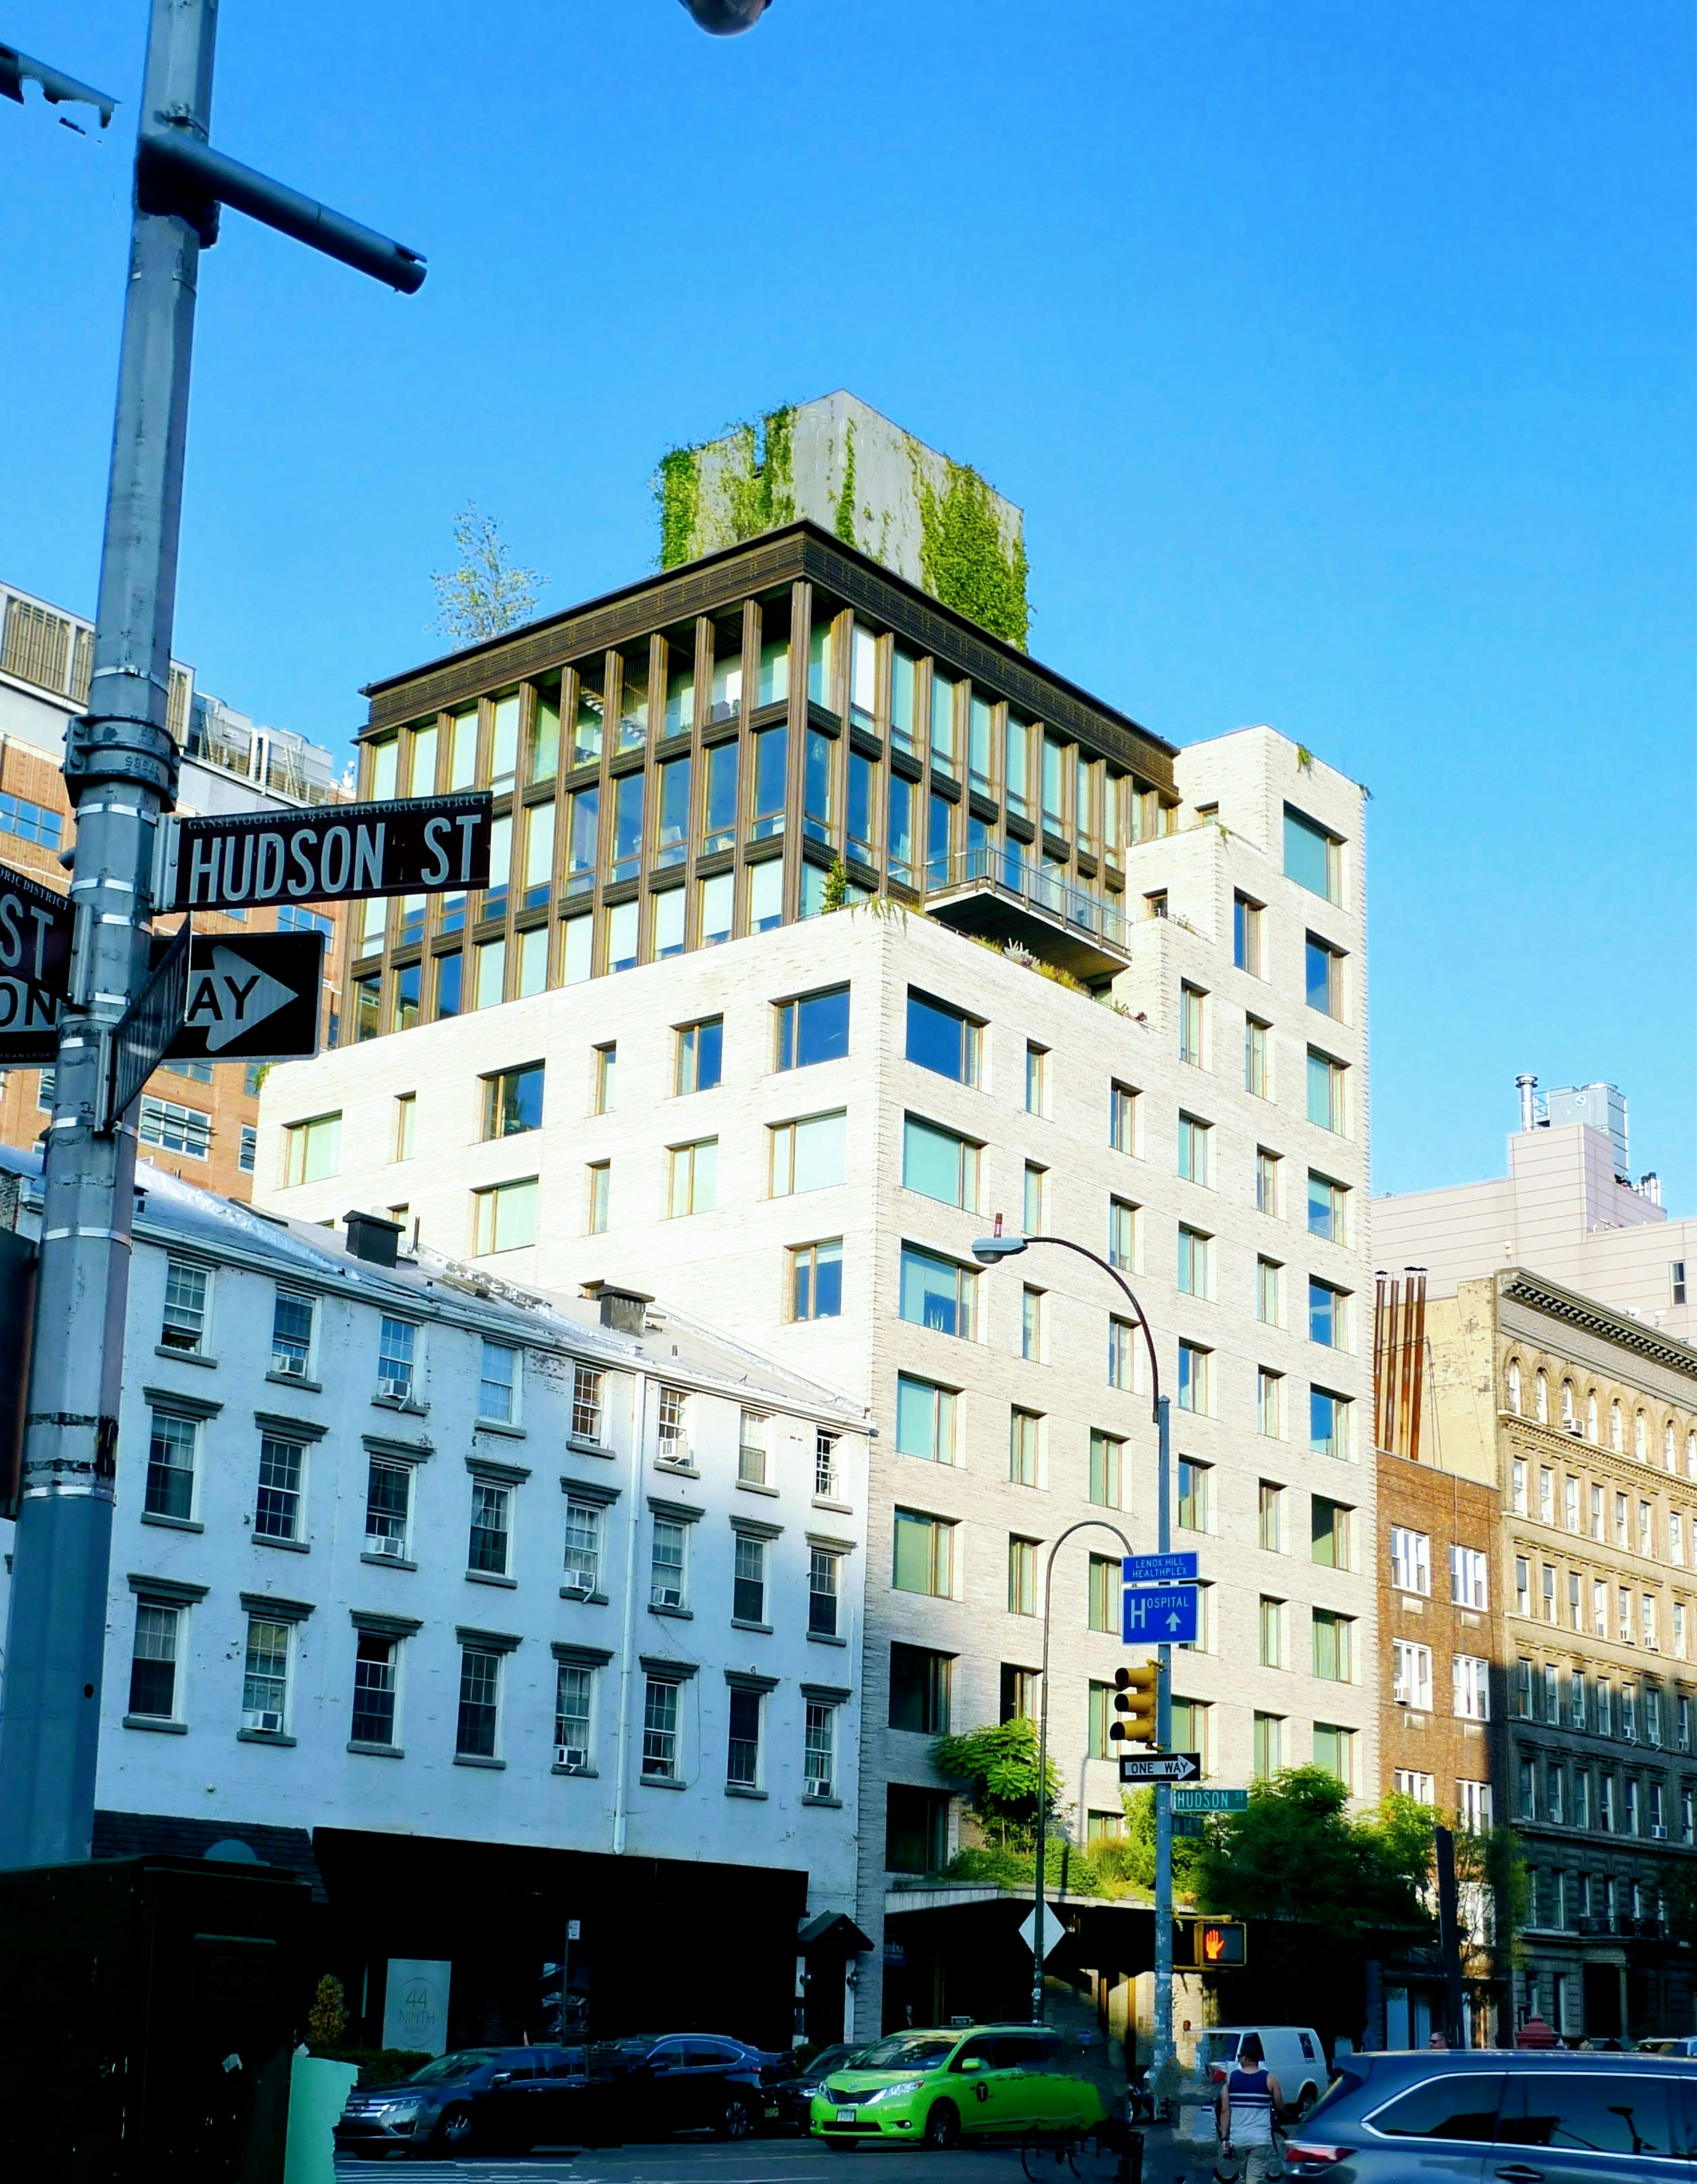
1189	1824
1210	1800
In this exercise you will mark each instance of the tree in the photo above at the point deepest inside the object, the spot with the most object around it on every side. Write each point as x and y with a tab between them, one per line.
326	2022
836	885
1298	1856
487	593
1000	1767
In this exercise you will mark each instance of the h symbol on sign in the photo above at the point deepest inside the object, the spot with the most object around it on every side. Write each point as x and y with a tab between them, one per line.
1136	1612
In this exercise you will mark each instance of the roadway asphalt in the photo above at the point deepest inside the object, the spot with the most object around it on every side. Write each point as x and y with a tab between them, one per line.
774	2161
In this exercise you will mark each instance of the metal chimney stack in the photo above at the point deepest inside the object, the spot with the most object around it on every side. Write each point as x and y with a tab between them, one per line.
1525	1086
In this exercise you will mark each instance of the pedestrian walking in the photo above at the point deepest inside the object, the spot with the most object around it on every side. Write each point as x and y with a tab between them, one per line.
1248	2100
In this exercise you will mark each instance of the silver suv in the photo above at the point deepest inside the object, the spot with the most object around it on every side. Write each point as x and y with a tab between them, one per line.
1493	2116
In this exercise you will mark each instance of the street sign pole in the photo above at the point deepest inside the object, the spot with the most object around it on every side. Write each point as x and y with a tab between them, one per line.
120	770
1164	1796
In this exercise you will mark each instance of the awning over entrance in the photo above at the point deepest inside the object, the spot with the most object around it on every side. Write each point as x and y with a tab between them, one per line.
831	1931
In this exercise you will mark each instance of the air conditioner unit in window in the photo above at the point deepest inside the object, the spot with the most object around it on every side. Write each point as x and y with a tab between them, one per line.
398	1392
378	1543
668	1597
1658	1833
295	1367
574	1756
818	1785
579	1580
262	1717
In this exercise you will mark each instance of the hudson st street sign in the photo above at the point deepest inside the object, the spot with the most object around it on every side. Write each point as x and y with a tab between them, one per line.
337	853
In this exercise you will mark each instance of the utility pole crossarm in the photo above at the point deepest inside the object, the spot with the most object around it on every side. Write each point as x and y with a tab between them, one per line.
57	88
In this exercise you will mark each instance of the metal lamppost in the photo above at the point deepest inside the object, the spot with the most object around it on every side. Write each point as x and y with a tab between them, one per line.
989	1250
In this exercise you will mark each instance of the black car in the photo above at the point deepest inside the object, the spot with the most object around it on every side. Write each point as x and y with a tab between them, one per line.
794	2094
666	2082
487	2098
1484	2115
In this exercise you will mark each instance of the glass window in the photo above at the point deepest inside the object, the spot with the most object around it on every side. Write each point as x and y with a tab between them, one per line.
505	1217
939	827
813	1027
824	1588
925	1419
278	1509
1036	1197
498	1392
1334	1749
582	1558
1193	1148
1257	1057
586	1403
474	1728
1191	1015
716	899
748	1580
942	1039
1325	1078
1196	1377
771	766
818	786
1328	1422
694	1182
1247	921
588	729
1269	1746
980	721
672	814
699	1055
1333	1646
667	1563
1018	750
1195	1262
374	1688
659	1756
1122	1234
902	681
924	1554
599	1174
500	867
396	1347
1269	1401
1313	855
1022	1576
573	1699
1266	1181
1103	1593
627	793
624	933
389	1494
265	1678
1054	785
169	1490
183	1325
512	1102
291	1334
1124	1106
491	1516
1324	968
407	982
1194	1495
544	741
491	967
920	1688
1269	1292
943	759
816	1280
1411	1560
901	831
742	1755
447	982
1327	1315
1123	1352
1271	1518
766	896
810	1155
1328	1205
1034	1338
938	1292
1024	1432
818	1757
680	692
583	839
1107	1469
939	1163
152	1663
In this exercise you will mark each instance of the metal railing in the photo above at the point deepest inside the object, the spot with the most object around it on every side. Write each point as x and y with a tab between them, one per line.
1033	883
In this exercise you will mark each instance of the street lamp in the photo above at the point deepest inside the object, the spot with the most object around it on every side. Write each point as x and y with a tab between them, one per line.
727	18
989	1252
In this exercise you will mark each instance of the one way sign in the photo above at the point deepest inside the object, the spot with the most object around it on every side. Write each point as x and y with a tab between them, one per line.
250	998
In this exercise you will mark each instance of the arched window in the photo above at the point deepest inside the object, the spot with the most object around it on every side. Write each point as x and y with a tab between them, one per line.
1691	1456
1616	1429
1591	1416
1668	1458
1541	1395
1515	1387
1567	1403
1641	1437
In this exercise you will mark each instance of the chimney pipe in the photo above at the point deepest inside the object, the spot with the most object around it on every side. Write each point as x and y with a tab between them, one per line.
1525	1086
623	1310
371	1238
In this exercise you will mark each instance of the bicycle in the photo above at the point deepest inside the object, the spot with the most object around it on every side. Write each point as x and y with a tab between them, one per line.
1107	2152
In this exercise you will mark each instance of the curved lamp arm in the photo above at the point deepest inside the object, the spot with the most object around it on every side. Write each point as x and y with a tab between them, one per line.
989	1249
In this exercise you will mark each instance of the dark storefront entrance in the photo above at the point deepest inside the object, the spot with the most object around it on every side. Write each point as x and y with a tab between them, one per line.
968	1960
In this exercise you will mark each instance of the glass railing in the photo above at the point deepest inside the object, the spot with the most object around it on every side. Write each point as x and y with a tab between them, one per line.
1043	889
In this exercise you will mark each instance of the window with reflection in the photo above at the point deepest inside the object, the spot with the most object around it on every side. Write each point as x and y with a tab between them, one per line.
367	1001
901	828
718	797
680	690
500	866
448	978
410	929
462	749
863	789
1016	786
718	901
421	766
766	896
623	929
588	729
633	699
819	663
904	683
1054	785
504	741
726	693
544	733
1084	786
538	854
585	838
533	961
672	814
818	802
771	760
408	981
627	830
943	757
938	819
668	924
385	758
774	664
862	676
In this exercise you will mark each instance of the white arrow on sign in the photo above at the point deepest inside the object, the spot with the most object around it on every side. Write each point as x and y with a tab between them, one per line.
1163	1767
1053	1933
233	998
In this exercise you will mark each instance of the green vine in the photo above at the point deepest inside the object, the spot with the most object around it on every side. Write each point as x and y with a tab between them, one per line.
844	525
677	486
836	886
964	560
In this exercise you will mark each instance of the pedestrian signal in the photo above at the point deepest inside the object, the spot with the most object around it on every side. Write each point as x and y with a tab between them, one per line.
1218	1944
1136	1693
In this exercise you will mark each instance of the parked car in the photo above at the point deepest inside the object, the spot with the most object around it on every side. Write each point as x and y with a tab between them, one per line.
1673	2043
936	2088
662	2083
794	2093
1526	2117
1296	2056
485	2098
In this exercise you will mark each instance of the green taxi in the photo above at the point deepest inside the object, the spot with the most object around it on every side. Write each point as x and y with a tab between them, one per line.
936	2088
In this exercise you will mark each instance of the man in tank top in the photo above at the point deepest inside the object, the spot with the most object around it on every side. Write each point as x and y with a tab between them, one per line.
1248	2100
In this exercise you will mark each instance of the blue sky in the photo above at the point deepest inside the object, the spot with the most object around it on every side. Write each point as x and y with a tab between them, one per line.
1340	355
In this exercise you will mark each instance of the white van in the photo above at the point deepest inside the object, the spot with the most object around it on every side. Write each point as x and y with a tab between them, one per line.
1295	2057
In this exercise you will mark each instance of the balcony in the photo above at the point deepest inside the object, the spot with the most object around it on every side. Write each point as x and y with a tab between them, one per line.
996	894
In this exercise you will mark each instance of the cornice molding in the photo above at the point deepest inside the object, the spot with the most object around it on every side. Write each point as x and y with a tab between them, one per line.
1537	1291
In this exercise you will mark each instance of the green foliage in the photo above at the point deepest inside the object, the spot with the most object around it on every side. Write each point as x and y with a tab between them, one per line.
836	886
964	560
1489	1858
327	2021
487	593
1298	1854
1138	1846
844	524
377	2066
999	1766
677	488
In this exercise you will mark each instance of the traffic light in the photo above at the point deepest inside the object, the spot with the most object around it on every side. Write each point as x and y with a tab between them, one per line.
1218	1944
1135	1694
